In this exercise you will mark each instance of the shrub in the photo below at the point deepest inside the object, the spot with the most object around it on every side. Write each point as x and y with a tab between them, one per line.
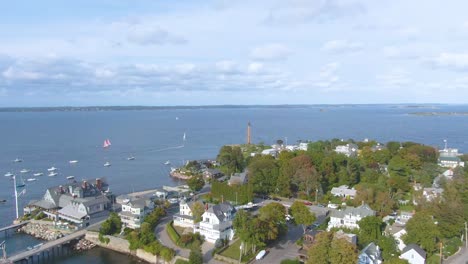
172	232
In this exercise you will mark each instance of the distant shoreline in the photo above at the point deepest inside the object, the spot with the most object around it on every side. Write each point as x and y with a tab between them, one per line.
187	107
440	113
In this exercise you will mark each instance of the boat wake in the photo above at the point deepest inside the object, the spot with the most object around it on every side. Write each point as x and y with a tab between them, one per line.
164	149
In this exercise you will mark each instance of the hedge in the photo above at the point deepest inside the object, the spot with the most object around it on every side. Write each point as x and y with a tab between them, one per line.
172	233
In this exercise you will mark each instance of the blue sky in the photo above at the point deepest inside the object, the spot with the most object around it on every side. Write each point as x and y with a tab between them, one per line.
150	52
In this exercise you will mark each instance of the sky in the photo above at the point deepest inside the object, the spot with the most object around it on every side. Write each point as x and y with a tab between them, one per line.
215	52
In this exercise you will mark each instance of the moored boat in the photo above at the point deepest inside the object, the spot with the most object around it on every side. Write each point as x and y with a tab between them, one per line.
52	169
70	177
52	174
24	171
9	174
38	174
18	160
107	164
73	161
167	163
131	158
31	179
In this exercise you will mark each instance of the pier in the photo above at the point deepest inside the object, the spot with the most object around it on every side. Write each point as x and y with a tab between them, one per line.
14	227
44	252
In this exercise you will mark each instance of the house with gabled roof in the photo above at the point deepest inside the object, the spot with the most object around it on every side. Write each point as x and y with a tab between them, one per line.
344	191
397	231
414	254
349	217
134	210
370	255
185	216
76	202
216	222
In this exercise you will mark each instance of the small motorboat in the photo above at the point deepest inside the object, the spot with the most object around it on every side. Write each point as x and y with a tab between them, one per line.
52	169
70	177
73	161
18	160
38	174
131	158
52	174
20	185
24	171
167	163
9	174
31	179
107	164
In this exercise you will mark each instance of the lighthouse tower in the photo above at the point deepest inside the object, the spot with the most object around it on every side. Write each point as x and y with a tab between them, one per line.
248	133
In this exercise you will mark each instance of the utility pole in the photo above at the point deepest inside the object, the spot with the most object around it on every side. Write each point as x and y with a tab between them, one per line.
466	236
440	252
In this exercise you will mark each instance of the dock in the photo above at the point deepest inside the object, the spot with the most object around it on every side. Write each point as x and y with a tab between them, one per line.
47	250
14	227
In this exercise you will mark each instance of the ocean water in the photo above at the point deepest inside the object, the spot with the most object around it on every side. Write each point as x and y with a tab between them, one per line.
45	139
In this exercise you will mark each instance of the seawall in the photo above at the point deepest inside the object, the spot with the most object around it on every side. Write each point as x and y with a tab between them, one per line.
121	245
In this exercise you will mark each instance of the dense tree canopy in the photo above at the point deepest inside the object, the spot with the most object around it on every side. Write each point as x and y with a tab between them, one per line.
301	214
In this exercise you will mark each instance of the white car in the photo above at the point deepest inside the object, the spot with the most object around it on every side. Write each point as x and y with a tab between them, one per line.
260	255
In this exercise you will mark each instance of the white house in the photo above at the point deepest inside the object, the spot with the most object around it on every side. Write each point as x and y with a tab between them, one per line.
449	158
370	255
273	152
134	211
349	217
348	149
432	193
343	191
397	231
414	254
303	146
217	222
185	217
404	217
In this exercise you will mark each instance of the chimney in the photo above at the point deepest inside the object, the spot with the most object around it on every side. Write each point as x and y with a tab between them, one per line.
206	207
99	183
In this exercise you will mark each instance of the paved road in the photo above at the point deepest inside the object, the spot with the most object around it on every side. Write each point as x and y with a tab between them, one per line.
285	248
460	258
164	238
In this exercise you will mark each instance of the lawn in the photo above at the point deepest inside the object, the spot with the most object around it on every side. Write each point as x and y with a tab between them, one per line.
181	261
233	252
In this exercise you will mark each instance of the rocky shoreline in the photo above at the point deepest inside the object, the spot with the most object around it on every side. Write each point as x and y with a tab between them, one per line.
178	175
84	245
40	231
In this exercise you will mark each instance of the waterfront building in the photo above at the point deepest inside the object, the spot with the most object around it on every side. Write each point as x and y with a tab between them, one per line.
75	202
349	217
216	222
134	210
449	158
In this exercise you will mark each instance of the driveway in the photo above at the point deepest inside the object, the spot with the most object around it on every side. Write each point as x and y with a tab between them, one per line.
285	248
460	258
164	238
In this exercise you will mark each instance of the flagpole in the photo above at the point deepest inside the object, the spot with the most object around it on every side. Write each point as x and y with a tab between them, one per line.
16	196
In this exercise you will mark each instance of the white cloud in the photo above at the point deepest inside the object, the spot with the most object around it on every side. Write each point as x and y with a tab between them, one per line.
273	51
301	11
342	46
396	77
227	66
391	51
13	73
451	60
328	76
153	36
255	67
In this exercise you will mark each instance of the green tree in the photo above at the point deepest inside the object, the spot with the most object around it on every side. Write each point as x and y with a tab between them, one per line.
272	219
231	159
263	174
302	215
197	211
341	251
370	229
422	230
388	245
196	183
195	257
319	252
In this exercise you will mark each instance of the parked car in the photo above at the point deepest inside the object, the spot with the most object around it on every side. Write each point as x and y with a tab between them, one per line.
260	255
307	203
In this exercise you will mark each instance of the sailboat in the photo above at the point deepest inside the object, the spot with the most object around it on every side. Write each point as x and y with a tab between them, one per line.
107	143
